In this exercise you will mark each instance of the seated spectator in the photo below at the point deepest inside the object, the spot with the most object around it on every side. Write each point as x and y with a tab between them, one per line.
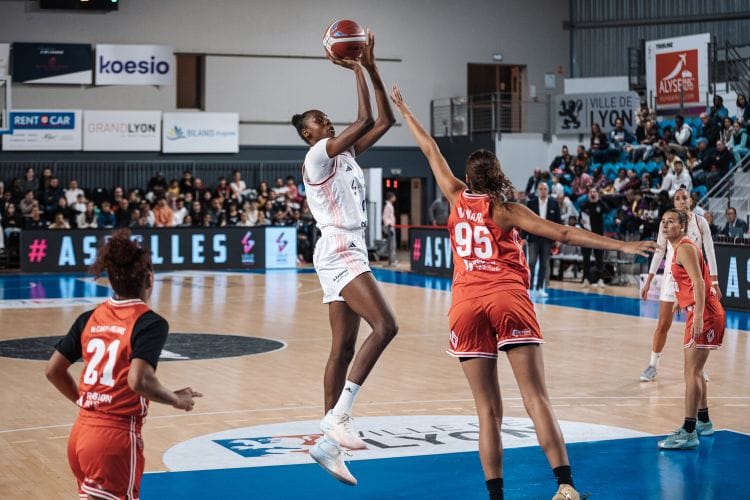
279	186
562	164
557	187
217	213
634	182
157	183
135	216
291	190
143	223
29	182
533	182
702	161
743	110
197	213
52	193
72	193
646	182
233	215
717	112
677	177
186	183
174	188
621	180
599	145
281	218
180	212
59	221
223	190
739	139
710	131
582	181
12	219
619	137
145	208
88	218
44	179
163	215
118	193
186	222
253	213
67	213
27	203
80	204
709	216
627	218
734	228
122	213
35	221
207	197
682	137
645	149
599	180
206	222
727	133
650	218
199	191
567	209
694	206
718	164
106	217
263	194
237	187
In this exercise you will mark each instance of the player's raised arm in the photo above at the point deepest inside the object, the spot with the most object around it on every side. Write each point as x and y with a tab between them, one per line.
449	184
385	119
354	132
517	215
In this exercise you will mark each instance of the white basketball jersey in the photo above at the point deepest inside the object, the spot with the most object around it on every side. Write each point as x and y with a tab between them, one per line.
335	189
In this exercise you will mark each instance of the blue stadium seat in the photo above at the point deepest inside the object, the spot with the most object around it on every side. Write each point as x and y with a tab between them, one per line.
701	190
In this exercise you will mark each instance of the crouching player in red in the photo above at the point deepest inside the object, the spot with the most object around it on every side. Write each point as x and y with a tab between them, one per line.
704	329
120	342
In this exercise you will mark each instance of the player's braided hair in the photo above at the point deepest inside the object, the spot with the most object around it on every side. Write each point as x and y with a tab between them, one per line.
299	122
484	175
682	217
127	265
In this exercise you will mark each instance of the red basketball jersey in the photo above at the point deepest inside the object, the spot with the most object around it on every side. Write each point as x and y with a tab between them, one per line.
684	291
106	349
486	259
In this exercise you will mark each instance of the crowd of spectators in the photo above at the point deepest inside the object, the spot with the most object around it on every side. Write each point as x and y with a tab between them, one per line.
636	173
34	201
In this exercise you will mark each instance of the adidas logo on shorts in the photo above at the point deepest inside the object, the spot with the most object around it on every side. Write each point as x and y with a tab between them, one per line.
352	245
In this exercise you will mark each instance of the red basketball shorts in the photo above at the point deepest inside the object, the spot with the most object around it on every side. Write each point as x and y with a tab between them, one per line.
714	322
106	460
481	326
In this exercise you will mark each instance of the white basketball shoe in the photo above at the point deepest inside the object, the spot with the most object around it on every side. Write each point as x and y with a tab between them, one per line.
340	430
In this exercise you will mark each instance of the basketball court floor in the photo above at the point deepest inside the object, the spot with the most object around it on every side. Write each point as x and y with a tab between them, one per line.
255	344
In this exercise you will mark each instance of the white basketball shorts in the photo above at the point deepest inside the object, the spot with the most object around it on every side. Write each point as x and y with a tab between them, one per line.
339	258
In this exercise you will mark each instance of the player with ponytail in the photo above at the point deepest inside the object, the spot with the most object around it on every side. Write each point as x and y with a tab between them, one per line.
491	310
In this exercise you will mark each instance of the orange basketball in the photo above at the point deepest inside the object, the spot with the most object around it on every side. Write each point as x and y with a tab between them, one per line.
345	39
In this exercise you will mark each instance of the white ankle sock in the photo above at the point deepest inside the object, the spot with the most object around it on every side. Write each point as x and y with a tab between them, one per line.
655	359
346	400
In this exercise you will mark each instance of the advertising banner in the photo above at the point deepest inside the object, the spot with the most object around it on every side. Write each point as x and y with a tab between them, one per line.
430	251
200	133
677	67
281	247
135	65
50	251
122	130
44	130
58	63
575	113
734	275
4	58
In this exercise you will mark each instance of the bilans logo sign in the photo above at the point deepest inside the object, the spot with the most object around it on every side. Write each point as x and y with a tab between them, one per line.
134	65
